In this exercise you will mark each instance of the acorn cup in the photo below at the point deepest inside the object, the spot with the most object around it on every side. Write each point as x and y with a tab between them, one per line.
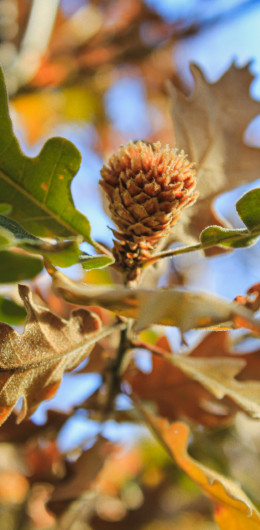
147	186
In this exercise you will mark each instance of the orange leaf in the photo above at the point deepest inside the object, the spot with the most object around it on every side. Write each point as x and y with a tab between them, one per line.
232	508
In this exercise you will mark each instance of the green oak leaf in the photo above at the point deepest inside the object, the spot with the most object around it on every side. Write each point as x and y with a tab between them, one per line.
248	208
225	237
10	312
16	267
38	189
95	262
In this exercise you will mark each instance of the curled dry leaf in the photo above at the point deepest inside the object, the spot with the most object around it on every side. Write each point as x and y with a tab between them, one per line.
32	364
252	298
232	508
171	307
210	125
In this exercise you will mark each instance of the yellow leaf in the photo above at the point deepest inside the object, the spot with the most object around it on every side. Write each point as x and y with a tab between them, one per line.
232	508
40	112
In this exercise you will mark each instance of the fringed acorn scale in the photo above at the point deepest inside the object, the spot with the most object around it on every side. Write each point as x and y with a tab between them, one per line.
147	186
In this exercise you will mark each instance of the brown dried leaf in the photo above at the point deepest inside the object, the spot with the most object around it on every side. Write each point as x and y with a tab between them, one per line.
32	364
210	125
176	394
218	375
100	356
81	474
182	386
43	461
121	467
217	344
19	434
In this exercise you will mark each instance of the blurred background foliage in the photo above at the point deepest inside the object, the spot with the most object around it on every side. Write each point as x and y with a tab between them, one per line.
96	72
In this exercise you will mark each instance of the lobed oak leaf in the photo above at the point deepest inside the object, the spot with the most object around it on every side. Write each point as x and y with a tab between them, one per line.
232	508
32	364
175	394
38	189
218	375
210	125
226	373
183	386
218	345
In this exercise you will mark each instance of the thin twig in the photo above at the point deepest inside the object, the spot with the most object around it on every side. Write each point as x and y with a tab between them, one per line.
156	350
100	248
173	252
112	376
198	246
